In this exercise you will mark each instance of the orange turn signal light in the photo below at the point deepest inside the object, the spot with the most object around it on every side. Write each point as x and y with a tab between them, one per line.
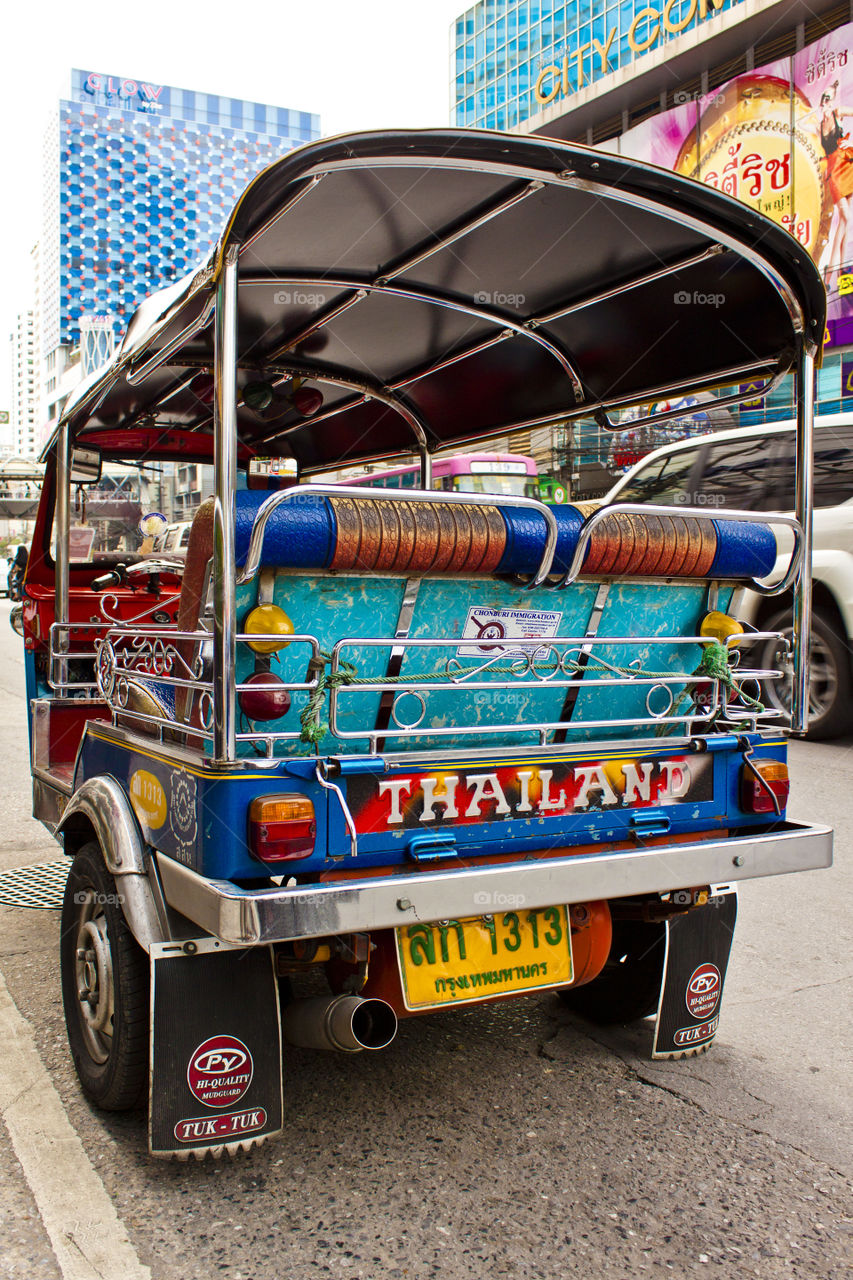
763	782
282	827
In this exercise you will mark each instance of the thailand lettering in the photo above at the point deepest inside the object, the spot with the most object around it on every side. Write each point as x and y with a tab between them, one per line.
505	793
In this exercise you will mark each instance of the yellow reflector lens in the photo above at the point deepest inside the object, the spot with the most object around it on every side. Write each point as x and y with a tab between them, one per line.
267	620
719	626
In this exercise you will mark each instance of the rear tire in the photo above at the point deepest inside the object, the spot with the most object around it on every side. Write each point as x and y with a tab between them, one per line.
830	711
628	987
105	987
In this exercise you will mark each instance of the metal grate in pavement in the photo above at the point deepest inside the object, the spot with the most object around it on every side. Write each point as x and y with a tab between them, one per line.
40	886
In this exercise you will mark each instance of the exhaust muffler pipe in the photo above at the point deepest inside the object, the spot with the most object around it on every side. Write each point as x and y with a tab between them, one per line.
346	1023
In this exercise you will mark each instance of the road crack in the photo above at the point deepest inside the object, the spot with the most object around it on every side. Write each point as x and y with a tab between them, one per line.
636	1073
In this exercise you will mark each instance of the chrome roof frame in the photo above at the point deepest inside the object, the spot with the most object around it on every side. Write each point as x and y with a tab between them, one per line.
636	196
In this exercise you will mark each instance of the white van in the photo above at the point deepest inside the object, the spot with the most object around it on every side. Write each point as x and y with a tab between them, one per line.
754	469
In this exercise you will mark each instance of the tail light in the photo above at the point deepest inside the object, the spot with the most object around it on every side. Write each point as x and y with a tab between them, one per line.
282	828
764	786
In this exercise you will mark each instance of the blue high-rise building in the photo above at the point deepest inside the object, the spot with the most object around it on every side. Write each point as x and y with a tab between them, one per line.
139	178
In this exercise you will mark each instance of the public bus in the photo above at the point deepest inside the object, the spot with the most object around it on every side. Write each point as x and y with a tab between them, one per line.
510	474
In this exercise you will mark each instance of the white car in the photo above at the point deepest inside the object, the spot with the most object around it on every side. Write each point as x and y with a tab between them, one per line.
174	538
753	469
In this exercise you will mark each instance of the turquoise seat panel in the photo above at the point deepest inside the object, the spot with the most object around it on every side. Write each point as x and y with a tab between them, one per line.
468	611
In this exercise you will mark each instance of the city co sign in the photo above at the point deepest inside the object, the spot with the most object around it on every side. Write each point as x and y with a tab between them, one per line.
649	27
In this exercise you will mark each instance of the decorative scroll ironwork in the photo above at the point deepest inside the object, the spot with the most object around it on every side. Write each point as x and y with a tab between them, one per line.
718	694
109	603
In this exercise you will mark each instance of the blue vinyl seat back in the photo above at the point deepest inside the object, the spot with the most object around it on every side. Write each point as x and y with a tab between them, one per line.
314	532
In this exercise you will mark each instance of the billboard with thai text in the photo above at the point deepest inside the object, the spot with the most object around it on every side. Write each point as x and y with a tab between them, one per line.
777	138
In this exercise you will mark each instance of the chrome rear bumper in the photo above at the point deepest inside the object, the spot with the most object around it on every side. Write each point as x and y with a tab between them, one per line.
247	917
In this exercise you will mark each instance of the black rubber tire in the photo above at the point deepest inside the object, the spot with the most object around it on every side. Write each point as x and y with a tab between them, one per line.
830	710
628	987
112	1059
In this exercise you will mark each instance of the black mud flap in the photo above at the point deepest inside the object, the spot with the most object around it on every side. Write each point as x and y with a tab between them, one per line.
215	1081
697	955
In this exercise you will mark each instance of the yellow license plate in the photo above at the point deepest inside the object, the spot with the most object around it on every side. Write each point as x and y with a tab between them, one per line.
454	961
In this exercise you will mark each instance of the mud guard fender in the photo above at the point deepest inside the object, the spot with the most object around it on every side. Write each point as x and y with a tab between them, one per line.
100	809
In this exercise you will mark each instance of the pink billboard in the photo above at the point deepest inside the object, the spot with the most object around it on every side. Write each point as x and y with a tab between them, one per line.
777	138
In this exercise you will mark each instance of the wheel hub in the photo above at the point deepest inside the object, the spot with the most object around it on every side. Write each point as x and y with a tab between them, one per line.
95	990
823	681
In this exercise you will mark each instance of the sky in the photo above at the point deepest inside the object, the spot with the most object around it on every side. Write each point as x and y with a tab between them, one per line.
367	65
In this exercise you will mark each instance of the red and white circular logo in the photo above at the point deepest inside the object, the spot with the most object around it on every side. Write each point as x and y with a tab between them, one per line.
703	991
220	1071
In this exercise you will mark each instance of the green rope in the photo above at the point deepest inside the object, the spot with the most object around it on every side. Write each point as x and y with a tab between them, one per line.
314	728
714	665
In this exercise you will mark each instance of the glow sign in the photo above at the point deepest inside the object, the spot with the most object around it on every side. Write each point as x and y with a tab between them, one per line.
134	94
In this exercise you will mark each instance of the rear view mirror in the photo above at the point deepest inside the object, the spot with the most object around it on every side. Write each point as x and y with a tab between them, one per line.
85	466
16	619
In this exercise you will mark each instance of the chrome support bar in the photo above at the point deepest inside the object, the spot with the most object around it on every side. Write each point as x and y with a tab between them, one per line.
685	388
443	239
225	485
545	317
437	299
368	390
292	201
803	483
325	317
426	469
135	376
62	518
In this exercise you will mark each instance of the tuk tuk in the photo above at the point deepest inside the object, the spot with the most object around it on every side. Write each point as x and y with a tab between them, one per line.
354	756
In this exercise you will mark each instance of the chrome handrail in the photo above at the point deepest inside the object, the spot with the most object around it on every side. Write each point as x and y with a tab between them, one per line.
694	513
159	670
275	500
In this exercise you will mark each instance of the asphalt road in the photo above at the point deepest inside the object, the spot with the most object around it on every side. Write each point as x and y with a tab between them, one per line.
513	1140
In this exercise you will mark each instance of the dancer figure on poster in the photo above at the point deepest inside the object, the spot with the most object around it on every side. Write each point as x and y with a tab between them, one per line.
838	176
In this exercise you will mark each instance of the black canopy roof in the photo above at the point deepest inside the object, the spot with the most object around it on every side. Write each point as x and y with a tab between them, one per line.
454	285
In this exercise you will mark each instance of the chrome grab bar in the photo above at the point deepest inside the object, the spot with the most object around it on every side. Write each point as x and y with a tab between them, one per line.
695	513
275	500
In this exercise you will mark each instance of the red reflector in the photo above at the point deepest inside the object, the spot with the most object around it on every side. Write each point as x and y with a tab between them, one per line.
282	828
757	793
